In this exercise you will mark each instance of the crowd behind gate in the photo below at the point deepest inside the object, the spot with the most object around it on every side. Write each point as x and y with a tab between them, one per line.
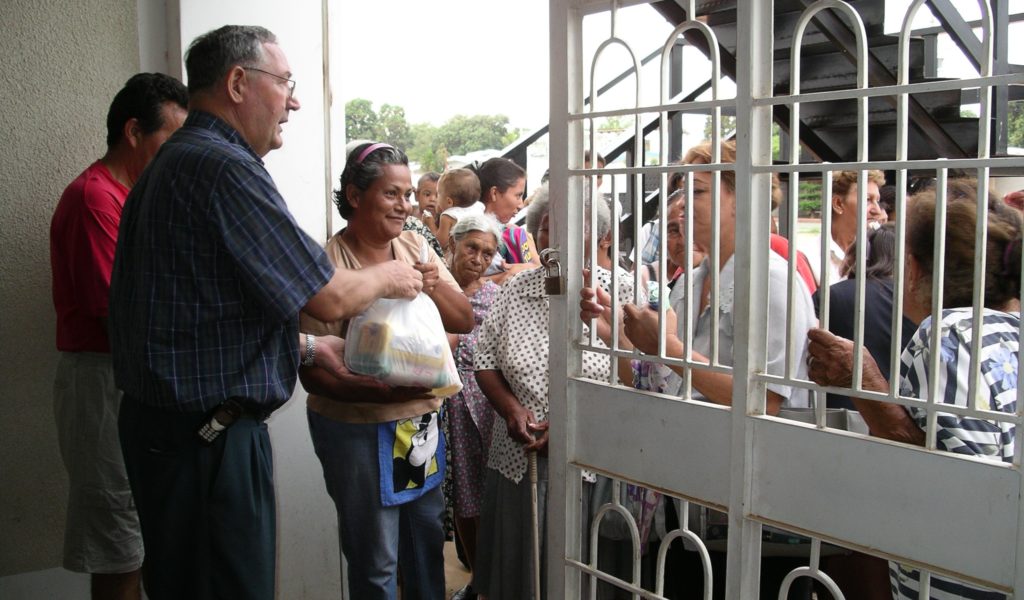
190	303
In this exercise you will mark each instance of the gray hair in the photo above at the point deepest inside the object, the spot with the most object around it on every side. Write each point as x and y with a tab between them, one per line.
483	223
210	56
541	205
604	215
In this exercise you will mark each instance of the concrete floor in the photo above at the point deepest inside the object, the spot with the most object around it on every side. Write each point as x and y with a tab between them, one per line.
60	583
456	576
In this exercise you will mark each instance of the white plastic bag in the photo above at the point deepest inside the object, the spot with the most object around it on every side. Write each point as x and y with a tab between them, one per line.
402	342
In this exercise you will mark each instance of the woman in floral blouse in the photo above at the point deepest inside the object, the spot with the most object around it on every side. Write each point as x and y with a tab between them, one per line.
472	245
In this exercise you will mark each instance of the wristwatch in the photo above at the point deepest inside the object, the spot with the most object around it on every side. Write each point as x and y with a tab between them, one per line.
307	360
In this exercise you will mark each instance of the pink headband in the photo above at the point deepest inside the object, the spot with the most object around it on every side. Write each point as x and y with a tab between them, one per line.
370	149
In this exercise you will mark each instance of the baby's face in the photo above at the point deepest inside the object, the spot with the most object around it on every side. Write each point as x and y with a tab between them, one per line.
426	195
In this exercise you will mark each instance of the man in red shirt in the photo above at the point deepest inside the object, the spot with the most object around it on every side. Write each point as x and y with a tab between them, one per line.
102	534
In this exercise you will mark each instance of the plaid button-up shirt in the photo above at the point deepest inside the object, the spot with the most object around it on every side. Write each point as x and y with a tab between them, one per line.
210	273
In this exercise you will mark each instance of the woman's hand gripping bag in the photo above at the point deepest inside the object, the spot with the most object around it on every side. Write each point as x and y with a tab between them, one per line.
403	343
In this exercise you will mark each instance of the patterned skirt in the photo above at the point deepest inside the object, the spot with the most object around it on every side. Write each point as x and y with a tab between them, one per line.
470	422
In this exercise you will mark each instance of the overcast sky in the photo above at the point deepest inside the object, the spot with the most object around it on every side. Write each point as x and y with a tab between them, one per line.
440	58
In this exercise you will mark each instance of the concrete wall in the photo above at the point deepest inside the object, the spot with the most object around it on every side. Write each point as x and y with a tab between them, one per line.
62	63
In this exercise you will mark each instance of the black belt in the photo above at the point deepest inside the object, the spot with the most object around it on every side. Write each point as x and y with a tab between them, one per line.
259	412
248	408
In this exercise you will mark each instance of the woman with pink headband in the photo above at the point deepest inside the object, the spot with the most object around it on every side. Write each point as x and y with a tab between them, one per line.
370	437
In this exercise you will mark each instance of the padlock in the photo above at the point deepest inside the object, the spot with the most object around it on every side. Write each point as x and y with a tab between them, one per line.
554	280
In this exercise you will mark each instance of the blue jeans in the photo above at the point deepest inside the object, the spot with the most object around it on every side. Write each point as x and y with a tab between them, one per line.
378	540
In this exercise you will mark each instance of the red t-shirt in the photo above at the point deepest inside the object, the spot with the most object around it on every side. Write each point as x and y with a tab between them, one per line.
83	236
780	246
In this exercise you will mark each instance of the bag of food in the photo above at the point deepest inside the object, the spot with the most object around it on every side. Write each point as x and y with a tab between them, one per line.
402	342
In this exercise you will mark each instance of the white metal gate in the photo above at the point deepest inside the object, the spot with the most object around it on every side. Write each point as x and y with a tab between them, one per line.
896	501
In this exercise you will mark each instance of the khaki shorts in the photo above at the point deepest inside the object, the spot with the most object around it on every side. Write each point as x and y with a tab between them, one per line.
102	533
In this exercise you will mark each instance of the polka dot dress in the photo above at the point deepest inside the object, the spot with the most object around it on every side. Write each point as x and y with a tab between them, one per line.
514	340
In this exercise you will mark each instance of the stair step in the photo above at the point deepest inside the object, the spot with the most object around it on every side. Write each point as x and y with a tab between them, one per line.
882	140
830	127
943	106
872	14
725	10
835	71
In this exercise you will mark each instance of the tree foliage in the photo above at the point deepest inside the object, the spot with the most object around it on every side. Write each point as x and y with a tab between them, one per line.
462	134
425	150
1015	124
809	199
615	124
425	143
394	129
728	126
388	125
361	122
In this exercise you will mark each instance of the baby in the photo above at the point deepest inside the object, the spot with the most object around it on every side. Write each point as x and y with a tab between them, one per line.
458	193
426	198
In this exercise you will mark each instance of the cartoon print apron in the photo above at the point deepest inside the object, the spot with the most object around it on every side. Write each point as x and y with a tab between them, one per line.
411	454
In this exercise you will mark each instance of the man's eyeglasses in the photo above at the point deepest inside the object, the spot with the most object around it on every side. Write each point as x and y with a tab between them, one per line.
291	82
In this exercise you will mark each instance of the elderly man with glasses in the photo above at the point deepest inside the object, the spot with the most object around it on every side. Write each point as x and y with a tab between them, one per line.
209	277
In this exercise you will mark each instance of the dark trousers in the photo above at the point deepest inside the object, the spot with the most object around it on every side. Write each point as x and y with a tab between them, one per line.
207	512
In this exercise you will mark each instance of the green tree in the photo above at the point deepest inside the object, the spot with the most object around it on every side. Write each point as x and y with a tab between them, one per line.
728	126
426	144
394	129
361	122
424	149
511	136
462	134
809	199
388	125
436	159
1015	124
615	124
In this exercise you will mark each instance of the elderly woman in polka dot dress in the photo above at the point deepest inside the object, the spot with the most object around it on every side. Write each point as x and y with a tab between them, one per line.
512	370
